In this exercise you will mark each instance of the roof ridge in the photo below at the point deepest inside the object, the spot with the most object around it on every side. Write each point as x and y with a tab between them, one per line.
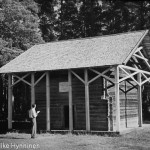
102	36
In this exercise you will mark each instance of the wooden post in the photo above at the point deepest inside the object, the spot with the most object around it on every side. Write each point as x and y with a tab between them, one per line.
32	89
47	101
139	101
87	109
70	101
117	99
9	101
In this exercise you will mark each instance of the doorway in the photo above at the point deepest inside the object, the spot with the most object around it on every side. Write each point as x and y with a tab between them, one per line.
66	116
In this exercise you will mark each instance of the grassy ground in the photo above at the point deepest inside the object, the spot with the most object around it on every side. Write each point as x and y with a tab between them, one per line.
138	139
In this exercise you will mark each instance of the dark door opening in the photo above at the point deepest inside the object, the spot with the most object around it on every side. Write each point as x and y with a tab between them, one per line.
66	116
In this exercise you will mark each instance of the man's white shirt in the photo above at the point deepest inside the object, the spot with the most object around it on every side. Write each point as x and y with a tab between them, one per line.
32	113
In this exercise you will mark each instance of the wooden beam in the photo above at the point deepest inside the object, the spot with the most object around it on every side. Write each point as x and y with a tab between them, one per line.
32	89
40	78
78	76
139	101
48	101
139	49
147	80
131	83
70	101
117	99
131	76
99	75
134	69
9	101
136	47
21	79
140	57
104	76
87	108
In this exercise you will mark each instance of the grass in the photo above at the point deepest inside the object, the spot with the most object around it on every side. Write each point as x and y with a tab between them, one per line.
138	139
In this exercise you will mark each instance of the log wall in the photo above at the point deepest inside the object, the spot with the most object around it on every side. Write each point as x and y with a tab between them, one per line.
59	104
128	106
59	101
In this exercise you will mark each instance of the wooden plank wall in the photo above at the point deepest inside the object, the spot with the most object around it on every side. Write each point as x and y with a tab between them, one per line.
98	107
128	106
58	99
40	100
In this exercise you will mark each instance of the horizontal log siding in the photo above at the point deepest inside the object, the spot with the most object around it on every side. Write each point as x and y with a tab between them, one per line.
58	99
78	95
128	107
40	100
98	107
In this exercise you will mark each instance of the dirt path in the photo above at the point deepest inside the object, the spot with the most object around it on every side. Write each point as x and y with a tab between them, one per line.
135	140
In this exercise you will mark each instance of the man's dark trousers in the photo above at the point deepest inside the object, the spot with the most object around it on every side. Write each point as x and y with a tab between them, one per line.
33	132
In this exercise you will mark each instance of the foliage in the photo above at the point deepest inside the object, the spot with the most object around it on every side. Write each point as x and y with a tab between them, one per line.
19	30
85	18
19	23
48	19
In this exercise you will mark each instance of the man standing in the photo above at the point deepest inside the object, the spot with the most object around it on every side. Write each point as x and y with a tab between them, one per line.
32	115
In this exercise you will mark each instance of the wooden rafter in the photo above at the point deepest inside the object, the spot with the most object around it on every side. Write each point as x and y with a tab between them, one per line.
135	48
134	69
129	75
138	49
138	56
141	56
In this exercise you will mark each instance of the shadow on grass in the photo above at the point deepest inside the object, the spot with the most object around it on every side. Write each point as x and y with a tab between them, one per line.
9	137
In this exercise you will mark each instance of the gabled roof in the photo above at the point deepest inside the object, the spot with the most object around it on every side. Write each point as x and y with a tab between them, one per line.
78	53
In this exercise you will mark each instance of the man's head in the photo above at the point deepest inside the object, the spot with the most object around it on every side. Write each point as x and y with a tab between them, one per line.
33	105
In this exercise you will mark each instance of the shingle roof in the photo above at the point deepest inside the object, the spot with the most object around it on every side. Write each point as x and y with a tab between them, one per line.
78	53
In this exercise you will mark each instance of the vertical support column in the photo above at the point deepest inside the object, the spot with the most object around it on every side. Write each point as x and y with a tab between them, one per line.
9	101
117	99
87	109
47	101
105	88
70	101
32	88
139	101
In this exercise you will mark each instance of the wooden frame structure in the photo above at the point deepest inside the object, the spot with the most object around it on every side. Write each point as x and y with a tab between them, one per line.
129	73
133	73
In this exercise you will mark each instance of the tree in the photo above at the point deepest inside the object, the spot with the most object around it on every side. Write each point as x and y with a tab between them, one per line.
91	16
19	30
68	20
19	23
48	19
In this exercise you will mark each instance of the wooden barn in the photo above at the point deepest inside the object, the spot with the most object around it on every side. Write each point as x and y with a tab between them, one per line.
89	84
